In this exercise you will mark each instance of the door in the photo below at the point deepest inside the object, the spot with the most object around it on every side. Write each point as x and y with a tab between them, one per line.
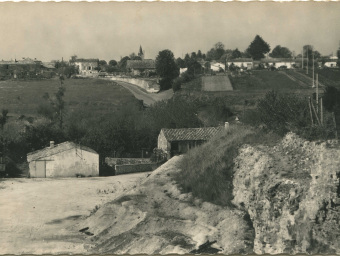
40	169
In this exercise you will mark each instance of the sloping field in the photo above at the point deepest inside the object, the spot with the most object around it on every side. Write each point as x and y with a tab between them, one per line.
264	80
216	83
23	97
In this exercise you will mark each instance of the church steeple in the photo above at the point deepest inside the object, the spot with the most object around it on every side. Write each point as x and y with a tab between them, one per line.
141	53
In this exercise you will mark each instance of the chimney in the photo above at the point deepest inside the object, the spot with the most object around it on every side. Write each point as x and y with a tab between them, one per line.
51	144
226	125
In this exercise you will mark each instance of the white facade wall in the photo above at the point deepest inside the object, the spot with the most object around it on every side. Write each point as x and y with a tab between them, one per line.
248	65
69	163
330	64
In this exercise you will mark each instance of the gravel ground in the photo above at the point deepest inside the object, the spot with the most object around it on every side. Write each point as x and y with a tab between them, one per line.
37	215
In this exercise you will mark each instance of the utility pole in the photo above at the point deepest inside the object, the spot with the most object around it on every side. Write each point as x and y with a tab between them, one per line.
302	57
313	70
307	59
317	93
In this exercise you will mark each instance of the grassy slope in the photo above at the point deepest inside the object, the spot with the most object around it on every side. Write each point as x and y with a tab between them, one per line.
264	80
207	171
327	76
23	97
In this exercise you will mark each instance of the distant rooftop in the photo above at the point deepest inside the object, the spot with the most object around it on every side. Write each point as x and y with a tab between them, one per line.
45	152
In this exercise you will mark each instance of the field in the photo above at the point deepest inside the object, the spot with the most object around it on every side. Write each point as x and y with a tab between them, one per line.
327	76
216	83
23	97
264	80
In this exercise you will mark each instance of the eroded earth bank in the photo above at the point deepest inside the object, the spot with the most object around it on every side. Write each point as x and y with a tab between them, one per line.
286	198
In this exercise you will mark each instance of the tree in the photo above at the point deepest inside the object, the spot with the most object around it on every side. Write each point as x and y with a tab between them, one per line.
258	48
113	63
123	61
180	63
193	56
3	118
236	54
199	54
280	52
102	63
166	68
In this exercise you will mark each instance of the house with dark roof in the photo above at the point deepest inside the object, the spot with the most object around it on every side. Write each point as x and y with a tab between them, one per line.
138	67
179	141
66	159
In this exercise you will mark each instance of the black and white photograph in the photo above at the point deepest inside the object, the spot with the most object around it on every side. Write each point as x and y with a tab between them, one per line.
169	128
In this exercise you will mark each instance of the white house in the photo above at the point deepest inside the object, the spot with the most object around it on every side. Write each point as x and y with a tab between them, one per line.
63	160
331	62
87	67
217	66
279	62
241	63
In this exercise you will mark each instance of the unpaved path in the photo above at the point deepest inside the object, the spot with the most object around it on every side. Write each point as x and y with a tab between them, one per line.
216	83
148	98
37	215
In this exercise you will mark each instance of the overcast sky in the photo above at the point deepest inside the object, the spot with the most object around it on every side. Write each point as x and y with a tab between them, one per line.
48	31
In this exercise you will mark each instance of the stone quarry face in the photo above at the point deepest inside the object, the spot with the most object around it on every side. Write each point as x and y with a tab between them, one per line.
291	193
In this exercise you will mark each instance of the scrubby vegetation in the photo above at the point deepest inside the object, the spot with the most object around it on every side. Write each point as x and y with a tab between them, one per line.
207	171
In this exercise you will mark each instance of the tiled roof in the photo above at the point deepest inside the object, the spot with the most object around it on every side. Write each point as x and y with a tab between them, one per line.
141	64
55	150
204	133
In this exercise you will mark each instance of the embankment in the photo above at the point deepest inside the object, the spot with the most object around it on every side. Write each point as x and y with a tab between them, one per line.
148	85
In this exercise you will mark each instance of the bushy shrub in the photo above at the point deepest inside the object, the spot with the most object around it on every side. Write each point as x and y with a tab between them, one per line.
207	171
176	84
282	113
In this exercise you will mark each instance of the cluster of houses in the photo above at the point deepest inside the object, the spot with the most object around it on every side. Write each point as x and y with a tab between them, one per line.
25	67
288	63
69	159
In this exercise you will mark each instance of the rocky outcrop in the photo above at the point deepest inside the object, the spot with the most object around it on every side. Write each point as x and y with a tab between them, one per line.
291	192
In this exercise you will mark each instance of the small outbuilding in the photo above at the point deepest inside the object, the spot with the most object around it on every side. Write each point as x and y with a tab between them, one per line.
66	159
179	141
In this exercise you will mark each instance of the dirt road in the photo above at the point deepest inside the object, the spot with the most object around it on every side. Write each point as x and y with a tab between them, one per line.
216	83
37	215
148	98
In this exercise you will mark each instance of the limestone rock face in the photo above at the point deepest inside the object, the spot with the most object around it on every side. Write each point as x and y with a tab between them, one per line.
291	192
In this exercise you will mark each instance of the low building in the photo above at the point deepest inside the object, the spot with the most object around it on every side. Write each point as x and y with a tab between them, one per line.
217	66
279	62
139	67
87	67
330	63
179	141
66	159
245	63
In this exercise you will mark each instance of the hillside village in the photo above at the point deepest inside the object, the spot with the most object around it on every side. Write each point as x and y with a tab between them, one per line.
221	150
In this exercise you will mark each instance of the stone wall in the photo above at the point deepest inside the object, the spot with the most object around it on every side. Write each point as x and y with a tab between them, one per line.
149	86
134	168
120	161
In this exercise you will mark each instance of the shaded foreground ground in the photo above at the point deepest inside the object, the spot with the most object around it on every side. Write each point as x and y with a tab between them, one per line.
38	215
